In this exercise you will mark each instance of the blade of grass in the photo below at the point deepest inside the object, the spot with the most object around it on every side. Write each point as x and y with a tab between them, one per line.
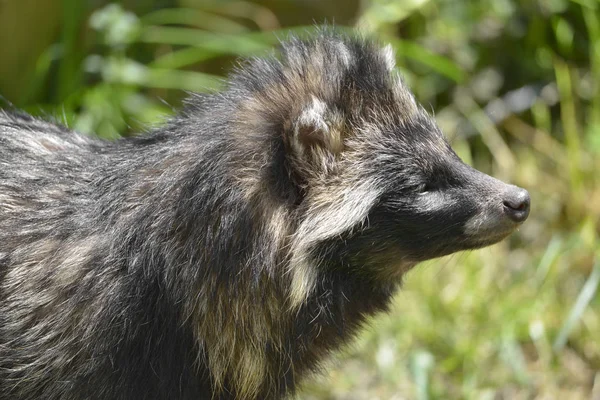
41	73
550	255
422	362
592	23
585	296
512	354
243	44
570	128
540	140
264	18
442	65
184	80
489	133
69	72
184	57
193	17
541	116
218	43
129	72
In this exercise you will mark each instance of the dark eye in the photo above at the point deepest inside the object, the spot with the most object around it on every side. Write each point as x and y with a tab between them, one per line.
425	188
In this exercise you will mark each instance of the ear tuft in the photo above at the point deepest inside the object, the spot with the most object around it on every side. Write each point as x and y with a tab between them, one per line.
317	128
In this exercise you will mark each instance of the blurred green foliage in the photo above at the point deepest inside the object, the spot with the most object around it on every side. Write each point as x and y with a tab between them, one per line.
515	86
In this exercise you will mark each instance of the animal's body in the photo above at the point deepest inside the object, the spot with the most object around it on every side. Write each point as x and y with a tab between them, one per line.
222	256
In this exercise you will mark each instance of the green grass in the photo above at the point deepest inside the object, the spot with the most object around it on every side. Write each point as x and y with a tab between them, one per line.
495	322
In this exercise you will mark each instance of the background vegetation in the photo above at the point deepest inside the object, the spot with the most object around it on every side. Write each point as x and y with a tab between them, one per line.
515	86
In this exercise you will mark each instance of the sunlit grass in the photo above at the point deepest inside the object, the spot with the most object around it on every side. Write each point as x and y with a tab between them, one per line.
485	324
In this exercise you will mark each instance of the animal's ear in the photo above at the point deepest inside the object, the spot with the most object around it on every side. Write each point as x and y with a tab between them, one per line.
316	132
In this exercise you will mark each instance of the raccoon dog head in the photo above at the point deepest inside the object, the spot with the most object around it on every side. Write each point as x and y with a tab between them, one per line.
381	187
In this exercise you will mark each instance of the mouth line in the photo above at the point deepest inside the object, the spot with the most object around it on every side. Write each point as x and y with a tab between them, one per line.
487	240
501	229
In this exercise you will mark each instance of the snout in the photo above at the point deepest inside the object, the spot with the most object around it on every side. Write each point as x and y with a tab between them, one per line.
516	203
501	208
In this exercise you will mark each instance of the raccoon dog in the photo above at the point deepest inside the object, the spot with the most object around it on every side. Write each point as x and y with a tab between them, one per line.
223	255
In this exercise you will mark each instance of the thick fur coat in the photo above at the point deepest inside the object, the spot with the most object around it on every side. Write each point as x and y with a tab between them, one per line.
223	255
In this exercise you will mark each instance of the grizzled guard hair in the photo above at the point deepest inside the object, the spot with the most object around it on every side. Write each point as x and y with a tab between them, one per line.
223	255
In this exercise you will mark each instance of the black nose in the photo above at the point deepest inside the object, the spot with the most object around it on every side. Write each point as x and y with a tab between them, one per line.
516	204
